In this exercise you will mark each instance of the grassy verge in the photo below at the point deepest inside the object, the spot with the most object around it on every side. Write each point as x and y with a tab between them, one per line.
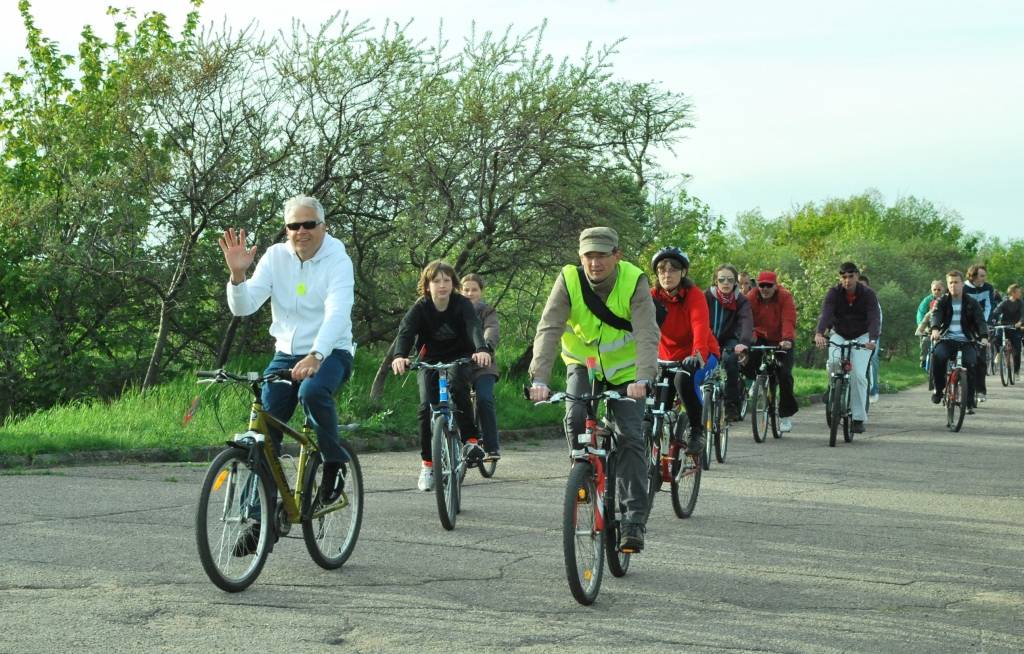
153	419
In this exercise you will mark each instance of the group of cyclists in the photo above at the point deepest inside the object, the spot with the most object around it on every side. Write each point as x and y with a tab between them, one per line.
602	318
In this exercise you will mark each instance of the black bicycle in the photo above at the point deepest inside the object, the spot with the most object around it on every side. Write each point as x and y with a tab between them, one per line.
716	429
1005	354
838	407
763	403
664	437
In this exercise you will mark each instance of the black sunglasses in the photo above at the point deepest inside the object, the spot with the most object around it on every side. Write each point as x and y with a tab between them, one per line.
765	285
309	224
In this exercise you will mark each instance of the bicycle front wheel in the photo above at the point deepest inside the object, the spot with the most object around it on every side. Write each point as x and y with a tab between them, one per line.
773	407
233	523
847	414
955	406
721	430
759	409
1005	370
331	531
833	410
446	474
653	438
582	541
686	471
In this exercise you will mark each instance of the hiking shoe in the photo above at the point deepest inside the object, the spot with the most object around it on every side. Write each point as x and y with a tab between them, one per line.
858	427
247	540
492	456
696	443
426	480
936	398
631	538
333	482
785	425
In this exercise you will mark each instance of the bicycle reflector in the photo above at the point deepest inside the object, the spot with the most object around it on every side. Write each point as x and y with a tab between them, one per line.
191	412
219	481
847	366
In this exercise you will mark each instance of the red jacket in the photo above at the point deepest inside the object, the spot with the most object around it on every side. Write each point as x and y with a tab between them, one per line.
686	328
774	319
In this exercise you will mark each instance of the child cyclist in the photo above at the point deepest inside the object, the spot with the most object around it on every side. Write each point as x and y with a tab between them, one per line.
484	377
446	327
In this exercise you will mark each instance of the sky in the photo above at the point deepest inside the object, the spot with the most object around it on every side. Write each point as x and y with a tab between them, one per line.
793	101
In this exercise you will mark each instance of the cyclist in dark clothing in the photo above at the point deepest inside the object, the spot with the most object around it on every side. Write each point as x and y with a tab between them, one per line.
732	323
1009	313
980	290
957	321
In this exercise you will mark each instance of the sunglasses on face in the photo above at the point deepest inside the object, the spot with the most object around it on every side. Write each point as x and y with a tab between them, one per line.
309	224
726	280
766	285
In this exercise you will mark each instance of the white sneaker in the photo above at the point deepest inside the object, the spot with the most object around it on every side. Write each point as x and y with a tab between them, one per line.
980	397
426	481
785	425
874	398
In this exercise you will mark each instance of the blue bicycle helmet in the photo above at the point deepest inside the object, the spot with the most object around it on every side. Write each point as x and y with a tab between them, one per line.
670	252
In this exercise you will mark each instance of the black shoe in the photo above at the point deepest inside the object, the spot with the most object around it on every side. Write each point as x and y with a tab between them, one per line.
696	444
970	411
247	540
631	538
333	483
472	452
858	427
936	398
732	413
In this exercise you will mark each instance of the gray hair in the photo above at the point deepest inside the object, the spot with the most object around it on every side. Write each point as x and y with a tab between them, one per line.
291	204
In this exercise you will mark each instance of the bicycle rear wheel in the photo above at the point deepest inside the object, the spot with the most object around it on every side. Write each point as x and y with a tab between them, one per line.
331	531
233	516
686	471
618	561
582	541
446	475
759	409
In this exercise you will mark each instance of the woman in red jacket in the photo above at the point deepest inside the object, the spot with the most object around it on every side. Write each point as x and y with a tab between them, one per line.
685	330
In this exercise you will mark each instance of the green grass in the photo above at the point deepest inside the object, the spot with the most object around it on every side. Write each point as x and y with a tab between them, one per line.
153	419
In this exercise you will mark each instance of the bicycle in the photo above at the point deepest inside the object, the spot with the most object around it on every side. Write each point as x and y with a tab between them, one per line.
764	393
590	527
670	464
716	430
446	447
953	397
838	408
1005	354
239	496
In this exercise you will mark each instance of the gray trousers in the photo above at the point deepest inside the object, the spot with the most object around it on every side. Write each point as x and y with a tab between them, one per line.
626	417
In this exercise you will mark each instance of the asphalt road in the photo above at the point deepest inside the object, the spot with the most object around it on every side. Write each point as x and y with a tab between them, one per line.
910	539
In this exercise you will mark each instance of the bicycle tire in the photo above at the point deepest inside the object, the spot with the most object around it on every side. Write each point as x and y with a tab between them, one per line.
331	536
847	412
652	447
773	407
487	468
721	430
833	410
224	512
959	407
744	401
759	409
686	472
1004	369
618	561
582	542
446	476
1010	372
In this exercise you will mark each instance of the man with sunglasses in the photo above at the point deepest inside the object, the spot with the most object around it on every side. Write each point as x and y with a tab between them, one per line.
774	315
851	310
309	281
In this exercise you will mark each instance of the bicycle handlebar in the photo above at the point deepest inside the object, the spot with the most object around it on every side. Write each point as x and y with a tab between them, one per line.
562	396
417	365
220	376
765	348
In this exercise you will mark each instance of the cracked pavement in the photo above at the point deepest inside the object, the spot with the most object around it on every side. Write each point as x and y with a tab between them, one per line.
910	539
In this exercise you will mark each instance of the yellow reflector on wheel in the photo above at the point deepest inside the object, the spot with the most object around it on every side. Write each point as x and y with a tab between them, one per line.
581	494
587	575
219	481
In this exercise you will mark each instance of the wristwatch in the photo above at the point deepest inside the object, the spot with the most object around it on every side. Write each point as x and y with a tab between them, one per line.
316	355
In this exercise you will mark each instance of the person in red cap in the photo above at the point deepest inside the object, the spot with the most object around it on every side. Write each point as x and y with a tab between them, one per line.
775	324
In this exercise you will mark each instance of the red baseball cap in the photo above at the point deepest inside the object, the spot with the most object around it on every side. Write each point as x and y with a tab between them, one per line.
767	276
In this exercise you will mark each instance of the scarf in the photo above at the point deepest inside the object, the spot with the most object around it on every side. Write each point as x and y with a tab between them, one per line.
728	302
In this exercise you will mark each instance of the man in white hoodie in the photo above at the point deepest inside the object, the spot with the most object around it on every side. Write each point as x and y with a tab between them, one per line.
310	284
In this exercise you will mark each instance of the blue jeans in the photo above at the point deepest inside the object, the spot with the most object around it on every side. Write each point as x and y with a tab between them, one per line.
316	394
486	414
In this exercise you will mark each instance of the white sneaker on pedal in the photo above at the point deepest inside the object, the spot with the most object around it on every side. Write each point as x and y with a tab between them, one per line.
785	425
426	481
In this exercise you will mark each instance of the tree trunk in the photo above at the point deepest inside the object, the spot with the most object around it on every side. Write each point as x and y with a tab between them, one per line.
377	390
522	365
227	341
153	371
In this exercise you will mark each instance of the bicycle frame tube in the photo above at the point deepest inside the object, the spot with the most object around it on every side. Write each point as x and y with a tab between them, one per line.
292	500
